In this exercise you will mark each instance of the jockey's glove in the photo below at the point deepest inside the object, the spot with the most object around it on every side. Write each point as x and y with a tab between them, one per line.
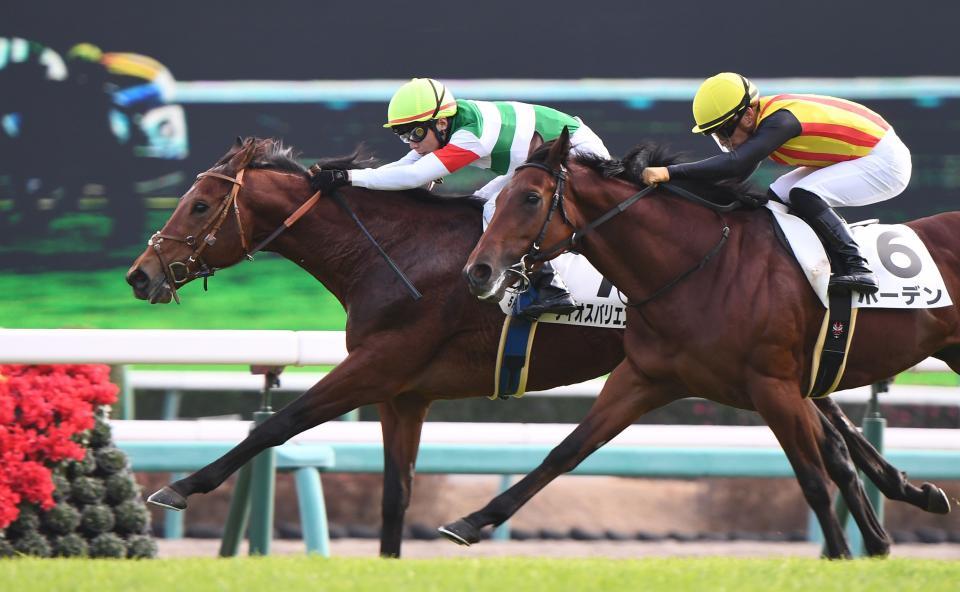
326	180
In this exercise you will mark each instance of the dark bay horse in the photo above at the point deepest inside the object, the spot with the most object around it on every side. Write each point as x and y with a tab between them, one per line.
739	331
402	354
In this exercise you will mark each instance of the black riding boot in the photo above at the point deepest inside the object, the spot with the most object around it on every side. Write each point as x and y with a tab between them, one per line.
552	296
831	229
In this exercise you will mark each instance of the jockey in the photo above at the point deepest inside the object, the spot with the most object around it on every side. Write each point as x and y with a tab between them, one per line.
846	155
446	134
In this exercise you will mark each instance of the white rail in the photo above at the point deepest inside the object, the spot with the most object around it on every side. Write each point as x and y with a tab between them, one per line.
666	436
283	348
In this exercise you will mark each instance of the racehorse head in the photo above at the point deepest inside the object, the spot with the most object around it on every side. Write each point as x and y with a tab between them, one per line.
212	226
530	214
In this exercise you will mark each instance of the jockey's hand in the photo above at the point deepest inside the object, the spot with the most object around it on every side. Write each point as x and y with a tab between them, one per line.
326	180
654	175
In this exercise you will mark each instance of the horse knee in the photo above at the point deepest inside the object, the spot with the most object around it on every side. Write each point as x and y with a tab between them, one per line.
566	456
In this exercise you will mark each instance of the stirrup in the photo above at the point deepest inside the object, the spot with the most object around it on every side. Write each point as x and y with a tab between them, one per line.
863	283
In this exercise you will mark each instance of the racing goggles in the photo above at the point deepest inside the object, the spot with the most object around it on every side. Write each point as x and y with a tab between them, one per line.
726	131
413	132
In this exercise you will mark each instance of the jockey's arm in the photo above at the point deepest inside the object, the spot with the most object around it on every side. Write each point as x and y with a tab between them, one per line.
398	176
740	163
409	158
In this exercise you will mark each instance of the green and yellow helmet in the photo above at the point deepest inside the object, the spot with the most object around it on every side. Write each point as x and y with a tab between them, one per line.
86	52
421	99
721	98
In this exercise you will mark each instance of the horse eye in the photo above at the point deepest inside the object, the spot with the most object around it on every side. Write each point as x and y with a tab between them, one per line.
533	198
200	207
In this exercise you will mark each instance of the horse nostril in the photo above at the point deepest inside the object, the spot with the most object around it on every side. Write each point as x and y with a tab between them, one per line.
138	279
480	273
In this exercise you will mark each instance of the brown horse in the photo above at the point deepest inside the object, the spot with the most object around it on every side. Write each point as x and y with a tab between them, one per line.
402	354
738	331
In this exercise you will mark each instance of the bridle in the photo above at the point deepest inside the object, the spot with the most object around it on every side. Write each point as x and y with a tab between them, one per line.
536	253
178	272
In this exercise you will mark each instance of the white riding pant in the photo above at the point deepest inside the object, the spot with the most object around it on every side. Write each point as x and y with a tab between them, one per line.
878	176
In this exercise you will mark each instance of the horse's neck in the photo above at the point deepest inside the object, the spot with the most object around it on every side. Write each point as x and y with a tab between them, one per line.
651	243
421	237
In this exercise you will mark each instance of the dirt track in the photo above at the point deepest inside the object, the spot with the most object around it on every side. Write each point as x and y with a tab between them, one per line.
617	550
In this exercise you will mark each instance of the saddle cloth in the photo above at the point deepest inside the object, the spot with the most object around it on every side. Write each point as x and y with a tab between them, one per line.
906	272
599	299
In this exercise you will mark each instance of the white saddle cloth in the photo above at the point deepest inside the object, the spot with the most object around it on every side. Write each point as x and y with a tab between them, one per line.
907	275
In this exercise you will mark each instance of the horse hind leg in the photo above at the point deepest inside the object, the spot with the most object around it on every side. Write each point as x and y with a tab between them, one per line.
841	469
892	482
624	397
795	424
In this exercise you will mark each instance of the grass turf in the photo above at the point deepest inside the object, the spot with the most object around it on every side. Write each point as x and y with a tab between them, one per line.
514	574
270	293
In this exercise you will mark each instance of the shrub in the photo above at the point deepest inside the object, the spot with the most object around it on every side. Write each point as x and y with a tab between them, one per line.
61	519
107	545
96	519
80	468
32	543
110	460
70	545
28	521
120	488
99	436
131	517
141	546
87	490
61	487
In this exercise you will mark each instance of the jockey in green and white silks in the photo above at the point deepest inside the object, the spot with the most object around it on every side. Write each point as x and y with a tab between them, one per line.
446	134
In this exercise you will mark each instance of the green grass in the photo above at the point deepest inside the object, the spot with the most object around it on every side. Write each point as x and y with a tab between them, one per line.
269	293
513	575
929	378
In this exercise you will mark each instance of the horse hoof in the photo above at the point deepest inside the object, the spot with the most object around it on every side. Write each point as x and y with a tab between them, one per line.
460	532
168	498
937	500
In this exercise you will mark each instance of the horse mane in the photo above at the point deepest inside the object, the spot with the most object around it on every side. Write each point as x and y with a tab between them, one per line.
271	153
647	154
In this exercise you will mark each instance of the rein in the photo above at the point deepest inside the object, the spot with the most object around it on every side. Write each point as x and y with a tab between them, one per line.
170	270
536	254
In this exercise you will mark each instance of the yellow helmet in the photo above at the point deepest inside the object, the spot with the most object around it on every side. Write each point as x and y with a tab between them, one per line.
421	99
86	52
721	98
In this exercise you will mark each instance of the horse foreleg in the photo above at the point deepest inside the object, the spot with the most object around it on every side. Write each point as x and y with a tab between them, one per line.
625	396
892	482
840	466
348	386
796	424
402	421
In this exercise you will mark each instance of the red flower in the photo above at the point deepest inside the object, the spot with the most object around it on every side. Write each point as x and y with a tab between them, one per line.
42	409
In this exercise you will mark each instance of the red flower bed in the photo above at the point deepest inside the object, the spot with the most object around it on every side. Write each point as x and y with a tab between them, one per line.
43	409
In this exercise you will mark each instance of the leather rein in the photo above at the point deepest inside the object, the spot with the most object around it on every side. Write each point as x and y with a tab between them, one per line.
537	254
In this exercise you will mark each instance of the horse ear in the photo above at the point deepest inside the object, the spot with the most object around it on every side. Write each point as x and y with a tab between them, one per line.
560	149
238	142
244	154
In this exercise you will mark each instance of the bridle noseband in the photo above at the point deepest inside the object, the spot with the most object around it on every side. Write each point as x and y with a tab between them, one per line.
178	272
537	254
